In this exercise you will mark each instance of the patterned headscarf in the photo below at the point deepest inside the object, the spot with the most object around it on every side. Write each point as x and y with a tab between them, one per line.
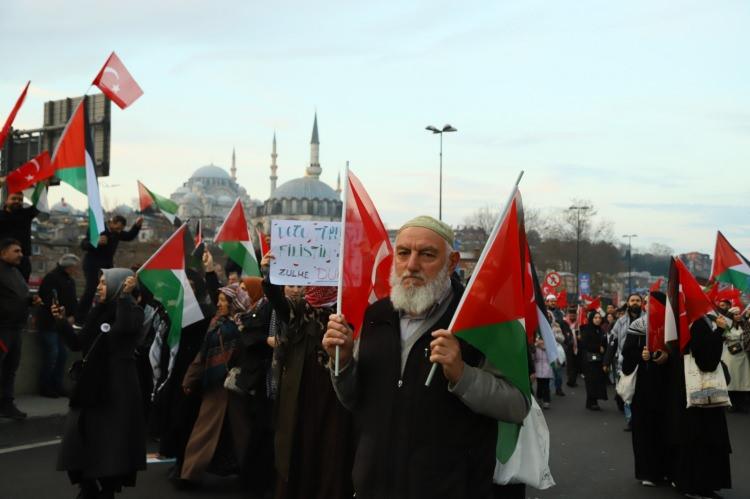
321	296
639	326
239	301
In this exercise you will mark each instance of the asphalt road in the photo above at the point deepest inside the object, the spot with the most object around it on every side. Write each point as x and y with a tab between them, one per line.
591	457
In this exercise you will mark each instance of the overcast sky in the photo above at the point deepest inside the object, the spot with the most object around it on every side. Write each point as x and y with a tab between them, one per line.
640	106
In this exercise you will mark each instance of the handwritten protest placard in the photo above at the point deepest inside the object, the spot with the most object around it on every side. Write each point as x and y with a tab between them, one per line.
306	253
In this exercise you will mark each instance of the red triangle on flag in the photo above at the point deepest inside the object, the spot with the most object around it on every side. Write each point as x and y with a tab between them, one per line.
70	151
144	197
725	256
234	227
494	294
171	254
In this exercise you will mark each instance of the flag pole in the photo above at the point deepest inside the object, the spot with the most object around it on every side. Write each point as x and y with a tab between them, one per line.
339	294
478	266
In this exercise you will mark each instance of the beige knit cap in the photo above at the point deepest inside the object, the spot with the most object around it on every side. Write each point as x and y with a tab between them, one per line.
427	222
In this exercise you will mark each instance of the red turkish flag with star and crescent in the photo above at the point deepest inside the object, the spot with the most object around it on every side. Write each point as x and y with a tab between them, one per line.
28	174
367	255
117	83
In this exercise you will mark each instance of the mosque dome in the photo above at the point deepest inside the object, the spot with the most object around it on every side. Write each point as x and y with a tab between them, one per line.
62	207
305	188
210	171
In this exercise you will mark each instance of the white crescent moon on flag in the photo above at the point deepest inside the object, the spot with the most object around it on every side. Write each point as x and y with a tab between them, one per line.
113	71
36	165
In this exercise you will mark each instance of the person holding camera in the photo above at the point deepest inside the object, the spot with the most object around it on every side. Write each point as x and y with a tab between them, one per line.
58	288
104	444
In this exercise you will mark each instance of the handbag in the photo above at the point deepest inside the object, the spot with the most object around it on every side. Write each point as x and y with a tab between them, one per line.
89	376
705	389
735	348
625	387
529	463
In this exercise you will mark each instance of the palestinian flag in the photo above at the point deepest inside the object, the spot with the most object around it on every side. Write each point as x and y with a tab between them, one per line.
234	239
685	303
491	314
149	200
74	164
164	275
38	196
729	265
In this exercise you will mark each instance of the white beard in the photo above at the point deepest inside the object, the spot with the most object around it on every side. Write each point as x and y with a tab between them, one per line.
416	300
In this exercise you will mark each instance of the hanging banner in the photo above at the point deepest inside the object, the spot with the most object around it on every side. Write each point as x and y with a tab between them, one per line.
305	253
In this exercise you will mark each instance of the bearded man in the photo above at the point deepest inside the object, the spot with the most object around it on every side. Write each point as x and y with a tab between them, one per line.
619	332
418	441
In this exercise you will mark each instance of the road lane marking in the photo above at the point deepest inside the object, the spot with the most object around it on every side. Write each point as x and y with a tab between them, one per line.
18	448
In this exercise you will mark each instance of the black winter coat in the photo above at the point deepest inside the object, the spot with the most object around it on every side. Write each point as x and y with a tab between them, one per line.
102	257
108	440
14	298
699	437
416	442
650	409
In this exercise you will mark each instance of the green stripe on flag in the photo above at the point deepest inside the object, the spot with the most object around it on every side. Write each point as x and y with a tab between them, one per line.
504	346
238	252
167	290
739	280
76	177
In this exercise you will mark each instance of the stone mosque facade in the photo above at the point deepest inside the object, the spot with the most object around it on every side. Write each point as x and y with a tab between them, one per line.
211	191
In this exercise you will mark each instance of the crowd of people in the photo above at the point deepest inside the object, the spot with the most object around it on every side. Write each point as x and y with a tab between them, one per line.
687	448
250	389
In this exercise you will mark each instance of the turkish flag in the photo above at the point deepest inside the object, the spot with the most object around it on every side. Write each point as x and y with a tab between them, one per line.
28	174
12	116
117	83
367	255
685	304
657	303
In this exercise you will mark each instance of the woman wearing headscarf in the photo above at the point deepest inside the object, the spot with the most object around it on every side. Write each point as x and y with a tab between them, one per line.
103	446
313	444
593	345
649	407
217	442
699	438
737	360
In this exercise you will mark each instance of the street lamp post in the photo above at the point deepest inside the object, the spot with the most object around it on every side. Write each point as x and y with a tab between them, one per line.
630	267
578	210
434	130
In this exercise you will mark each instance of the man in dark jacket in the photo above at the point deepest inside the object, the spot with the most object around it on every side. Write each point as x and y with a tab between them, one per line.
102	257
418	441
58	287
15	223
14	311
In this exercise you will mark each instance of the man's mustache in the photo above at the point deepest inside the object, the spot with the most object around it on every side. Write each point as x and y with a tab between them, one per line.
409	275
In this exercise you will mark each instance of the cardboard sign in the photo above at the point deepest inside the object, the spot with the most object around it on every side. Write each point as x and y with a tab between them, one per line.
305	253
